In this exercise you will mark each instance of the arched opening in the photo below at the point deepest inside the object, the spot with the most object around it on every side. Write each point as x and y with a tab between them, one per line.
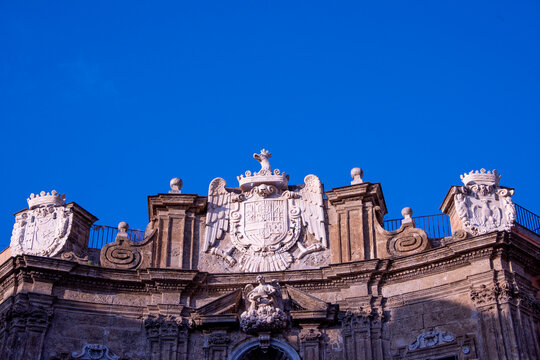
278	350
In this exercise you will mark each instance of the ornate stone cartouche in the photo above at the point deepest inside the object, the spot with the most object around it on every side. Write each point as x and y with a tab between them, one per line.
264	221
481	205
44	228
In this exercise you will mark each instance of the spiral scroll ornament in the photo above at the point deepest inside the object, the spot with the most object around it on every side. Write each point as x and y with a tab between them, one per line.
411	241
120	254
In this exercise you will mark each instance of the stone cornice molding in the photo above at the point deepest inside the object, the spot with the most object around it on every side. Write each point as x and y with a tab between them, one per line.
363	191
368	273
184	202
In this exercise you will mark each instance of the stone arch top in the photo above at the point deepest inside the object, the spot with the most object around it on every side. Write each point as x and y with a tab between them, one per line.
283	350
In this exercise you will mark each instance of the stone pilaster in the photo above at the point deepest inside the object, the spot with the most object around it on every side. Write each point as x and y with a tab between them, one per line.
179	221
25	324
216	345
311	340
353	210
167	338
506	318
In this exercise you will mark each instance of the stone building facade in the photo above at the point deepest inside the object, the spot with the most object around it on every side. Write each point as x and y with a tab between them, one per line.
270	270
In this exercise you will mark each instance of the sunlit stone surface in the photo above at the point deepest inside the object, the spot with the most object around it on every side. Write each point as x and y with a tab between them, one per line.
272	270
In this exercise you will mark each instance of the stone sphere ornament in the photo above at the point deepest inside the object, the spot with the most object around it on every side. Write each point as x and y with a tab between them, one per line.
357	174
176	185
123	226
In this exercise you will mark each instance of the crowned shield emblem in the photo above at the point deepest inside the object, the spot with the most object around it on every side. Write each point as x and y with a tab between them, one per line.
265	219
44	228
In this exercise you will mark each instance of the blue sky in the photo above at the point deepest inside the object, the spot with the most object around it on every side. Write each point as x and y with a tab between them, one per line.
107	101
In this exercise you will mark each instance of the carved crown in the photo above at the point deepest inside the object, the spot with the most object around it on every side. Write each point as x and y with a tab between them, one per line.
481	177
46	199
264	176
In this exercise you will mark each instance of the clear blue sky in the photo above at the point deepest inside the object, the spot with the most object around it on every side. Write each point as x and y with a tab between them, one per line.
106	101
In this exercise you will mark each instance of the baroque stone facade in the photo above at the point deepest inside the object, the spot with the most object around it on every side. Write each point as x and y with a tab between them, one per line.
270	270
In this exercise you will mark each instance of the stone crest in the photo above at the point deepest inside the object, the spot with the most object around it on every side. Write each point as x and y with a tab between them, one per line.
481	205
95	351
264	305
431	338
44	228
264	218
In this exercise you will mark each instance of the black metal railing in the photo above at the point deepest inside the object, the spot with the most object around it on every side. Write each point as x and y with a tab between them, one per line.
527	219
436	226
103	234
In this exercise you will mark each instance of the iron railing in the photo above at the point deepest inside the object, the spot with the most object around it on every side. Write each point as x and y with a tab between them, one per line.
527	219
436	226
103	234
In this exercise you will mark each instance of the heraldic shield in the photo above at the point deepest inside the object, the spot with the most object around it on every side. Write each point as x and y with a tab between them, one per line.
265	222
265	219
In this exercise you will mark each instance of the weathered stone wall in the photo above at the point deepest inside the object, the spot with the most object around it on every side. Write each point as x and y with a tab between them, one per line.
470	298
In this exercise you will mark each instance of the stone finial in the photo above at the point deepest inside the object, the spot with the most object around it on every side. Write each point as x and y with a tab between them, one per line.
357	174
176	185
123	226
407	212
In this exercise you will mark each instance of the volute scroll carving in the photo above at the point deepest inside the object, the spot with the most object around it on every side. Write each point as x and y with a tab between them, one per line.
120	254
407	240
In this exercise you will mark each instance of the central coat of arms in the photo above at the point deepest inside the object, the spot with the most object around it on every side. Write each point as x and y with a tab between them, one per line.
264	218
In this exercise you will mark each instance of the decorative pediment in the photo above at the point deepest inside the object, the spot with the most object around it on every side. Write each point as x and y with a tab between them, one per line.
307	308
223	310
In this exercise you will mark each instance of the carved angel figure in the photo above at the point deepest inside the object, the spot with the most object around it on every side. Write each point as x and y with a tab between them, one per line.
263	294
264	218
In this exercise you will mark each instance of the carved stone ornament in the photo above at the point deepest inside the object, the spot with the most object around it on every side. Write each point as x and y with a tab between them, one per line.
264	218
164	325
43	229
481	205
95	352
120	254
431	338
264	305
407	240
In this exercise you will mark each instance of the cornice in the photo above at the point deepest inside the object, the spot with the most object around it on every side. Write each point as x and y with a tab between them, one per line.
369	273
